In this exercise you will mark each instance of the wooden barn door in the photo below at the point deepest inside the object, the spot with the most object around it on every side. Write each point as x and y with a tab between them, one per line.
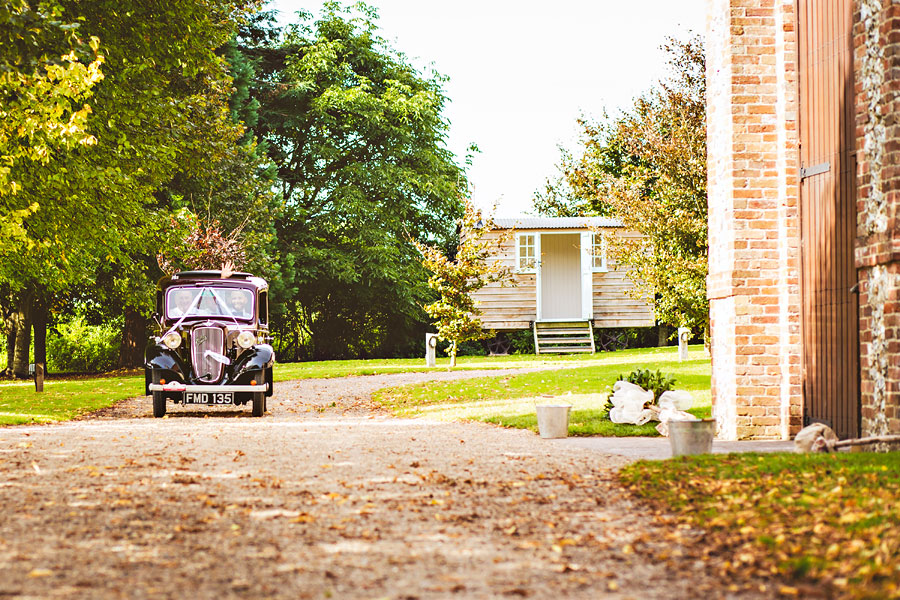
830	323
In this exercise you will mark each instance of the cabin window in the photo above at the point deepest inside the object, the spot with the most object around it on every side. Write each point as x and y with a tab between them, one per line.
598	251
526	253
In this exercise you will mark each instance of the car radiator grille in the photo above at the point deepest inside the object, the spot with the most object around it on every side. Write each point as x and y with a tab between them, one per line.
208	343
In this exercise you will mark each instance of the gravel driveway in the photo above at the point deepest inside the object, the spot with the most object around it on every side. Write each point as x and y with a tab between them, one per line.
323	497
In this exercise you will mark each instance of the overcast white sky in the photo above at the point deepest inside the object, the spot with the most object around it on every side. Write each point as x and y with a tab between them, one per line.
521	73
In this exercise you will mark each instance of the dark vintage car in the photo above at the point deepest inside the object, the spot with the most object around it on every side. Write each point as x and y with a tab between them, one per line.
212	346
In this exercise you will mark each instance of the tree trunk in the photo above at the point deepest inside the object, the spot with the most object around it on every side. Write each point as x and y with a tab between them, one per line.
664	333
134	339
22	352
10	344
452	354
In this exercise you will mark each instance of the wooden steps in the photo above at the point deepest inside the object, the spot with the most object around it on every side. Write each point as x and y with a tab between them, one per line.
563	337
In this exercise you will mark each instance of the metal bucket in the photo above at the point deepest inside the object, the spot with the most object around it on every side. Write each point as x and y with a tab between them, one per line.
691	437
553	420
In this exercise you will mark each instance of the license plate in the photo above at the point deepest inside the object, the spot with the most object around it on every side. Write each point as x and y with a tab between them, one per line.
209	398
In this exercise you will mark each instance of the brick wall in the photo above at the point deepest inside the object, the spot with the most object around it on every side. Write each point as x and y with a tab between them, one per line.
754	234
877	66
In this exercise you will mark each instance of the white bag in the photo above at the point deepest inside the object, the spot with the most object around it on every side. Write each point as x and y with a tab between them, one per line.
678	399
668	413
628	402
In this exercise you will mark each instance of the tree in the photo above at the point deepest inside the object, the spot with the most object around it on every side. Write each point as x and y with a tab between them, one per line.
161	109
44	80
202	246
647	167
357	136
455	313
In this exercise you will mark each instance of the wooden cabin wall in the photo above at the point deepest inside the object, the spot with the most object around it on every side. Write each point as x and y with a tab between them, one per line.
613	307
508	307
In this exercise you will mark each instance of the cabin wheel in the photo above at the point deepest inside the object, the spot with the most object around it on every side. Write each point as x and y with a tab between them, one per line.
499	345
613	339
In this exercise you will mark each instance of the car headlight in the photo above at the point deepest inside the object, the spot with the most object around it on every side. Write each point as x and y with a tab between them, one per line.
172	340
245	339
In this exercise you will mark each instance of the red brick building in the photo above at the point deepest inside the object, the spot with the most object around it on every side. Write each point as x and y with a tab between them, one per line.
804	190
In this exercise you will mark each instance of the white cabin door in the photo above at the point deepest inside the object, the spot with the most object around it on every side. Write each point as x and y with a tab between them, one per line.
560	286
587	276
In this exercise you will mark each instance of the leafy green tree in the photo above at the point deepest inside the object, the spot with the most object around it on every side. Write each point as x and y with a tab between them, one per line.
455	312
160	110
647	167
357	136
44	80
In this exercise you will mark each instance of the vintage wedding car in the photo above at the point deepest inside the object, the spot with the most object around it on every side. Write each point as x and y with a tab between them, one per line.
212	347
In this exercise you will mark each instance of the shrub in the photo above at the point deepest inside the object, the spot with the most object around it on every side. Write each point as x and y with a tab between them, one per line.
78	347
522	341
467	348
656	382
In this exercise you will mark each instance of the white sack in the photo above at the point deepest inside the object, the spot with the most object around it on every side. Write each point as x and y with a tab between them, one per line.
668	414
678	399
628	402
671	414
622	386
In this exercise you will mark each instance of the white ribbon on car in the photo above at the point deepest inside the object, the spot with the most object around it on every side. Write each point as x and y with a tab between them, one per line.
224	305
209	353
186	313
221	358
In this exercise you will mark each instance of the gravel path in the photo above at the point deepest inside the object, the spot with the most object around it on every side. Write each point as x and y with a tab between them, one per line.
323	497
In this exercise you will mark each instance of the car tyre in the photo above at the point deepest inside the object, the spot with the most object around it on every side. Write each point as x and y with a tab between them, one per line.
159	404
259	404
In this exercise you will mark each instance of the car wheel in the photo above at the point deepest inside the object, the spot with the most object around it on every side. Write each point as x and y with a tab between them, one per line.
259	404
159	404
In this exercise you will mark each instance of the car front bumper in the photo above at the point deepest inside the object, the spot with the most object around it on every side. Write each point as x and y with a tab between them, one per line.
156	387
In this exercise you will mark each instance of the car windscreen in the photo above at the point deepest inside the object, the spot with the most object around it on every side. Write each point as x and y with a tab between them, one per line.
209	301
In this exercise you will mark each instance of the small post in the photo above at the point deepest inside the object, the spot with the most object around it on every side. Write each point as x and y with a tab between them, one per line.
684	336
39	377
430	349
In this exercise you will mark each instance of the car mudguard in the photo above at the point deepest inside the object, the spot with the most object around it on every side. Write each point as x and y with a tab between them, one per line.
165	361
253	364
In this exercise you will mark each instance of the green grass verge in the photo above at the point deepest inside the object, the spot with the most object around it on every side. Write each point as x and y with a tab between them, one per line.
66	399
825	520
510	400
62	400
345	368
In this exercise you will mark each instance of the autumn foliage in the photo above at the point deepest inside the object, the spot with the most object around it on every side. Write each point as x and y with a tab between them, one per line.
824	524
647	168
455	313
198	245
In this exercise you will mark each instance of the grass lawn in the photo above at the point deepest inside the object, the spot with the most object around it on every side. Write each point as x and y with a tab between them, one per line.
828	522
344	368
510	400
62	400
66	399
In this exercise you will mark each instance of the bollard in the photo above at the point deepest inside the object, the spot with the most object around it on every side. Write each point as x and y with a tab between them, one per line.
684	336
39	377
430	349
